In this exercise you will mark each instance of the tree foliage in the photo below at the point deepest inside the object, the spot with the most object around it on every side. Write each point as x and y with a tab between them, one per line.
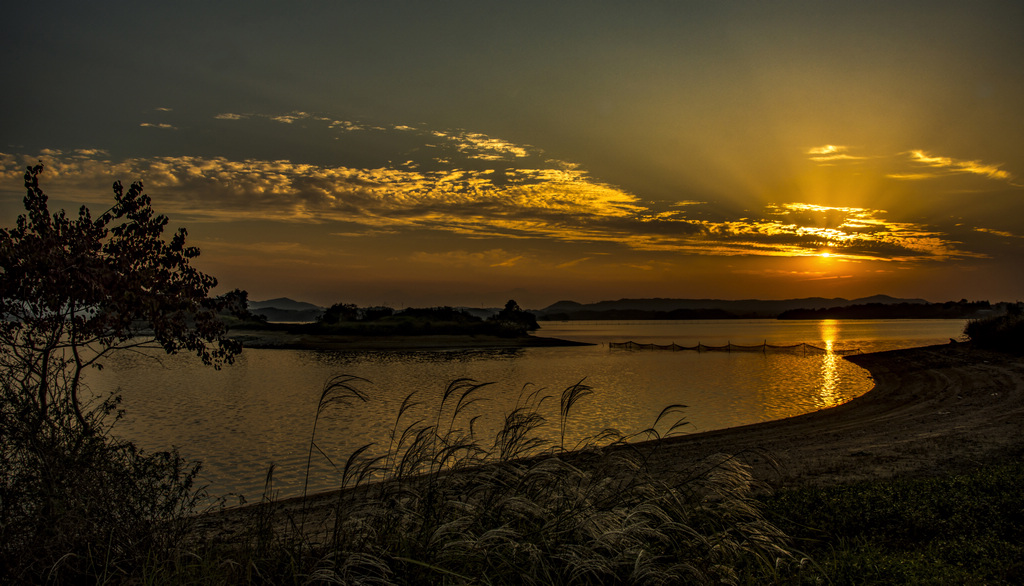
339	313
74	289
513	319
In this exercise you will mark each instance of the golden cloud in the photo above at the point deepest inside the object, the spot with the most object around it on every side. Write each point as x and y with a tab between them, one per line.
831	152
572	263
563	204
463	259
1001	233
951	165
486	148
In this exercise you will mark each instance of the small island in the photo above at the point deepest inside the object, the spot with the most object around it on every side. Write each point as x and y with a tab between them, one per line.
345	326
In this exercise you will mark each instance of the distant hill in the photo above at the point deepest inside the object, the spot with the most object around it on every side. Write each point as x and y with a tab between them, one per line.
947	310
480	312
284	309
283	303
660	308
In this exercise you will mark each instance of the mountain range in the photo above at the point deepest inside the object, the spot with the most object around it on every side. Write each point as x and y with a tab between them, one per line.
283	309
744	307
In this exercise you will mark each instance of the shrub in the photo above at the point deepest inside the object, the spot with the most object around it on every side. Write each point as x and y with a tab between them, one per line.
76	503
1004	332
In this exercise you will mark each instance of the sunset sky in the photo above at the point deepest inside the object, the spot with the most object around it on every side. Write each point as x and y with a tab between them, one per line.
464	153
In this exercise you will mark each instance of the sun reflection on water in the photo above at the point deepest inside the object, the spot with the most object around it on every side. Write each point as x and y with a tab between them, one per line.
828	396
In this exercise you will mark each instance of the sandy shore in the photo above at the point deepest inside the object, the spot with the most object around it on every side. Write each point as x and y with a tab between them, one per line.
933	410
280	339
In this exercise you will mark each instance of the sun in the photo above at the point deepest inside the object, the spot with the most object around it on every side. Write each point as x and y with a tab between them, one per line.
825	254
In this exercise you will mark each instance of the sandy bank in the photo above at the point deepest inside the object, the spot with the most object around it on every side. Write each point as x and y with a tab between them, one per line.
933	410
285	340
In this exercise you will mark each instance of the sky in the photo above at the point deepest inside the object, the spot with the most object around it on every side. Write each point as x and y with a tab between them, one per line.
469	152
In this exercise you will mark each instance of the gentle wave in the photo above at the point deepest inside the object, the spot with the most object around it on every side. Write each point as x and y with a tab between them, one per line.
260	411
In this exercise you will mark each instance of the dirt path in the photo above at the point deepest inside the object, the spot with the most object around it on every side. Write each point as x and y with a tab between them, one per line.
933	410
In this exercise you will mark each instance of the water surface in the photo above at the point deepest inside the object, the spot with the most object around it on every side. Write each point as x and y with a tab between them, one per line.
260	410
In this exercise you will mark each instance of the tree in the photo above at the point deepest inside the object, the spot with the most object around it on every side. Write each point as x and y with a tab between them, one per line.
73	290
377	312
339	313
514	320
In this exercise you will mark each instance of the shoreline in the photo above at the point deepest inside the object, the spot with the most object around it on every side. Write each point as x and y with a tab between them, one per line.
933	410
280	340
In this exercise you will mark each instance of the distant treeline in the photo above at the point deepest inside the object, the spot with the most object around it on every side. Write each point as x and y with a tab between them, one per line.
351	320
643	314
962	309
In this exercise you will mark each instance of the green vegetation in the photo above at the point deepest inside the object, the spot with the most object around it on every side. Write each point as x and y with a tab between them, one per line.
352	320
1005	332
956	529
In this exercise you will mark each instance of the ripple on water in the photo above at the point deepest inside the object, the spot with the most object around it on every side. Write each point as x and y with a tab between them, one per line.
260	411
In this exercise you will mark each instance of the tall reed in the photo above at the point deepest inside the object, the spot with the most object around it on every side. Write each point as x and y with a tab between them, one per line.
441	504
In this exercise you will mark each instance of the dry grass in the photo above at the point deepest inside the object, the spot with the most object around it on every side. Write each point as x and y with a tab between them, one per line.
441	505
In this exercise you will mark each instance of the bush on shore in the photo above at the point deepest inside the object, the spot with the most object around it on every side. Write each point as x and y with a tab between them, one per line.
1004	332
77	505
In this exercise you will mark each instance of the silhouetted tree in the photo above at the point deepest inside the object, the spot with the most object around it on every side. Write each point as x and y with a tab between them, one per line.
339	313
445	313
512	319
377	312
73	290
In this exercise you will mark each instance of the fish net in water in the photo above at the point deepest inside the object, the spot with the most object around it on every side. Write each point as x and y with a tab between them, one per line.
802	348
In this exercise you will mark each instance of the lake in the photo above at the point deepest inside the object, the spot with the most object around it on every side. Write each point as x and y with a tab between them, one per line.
260	411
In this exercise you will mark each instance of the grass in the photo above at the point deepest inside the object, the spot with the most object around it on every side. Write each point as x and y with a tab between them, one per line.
954	529
441	504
